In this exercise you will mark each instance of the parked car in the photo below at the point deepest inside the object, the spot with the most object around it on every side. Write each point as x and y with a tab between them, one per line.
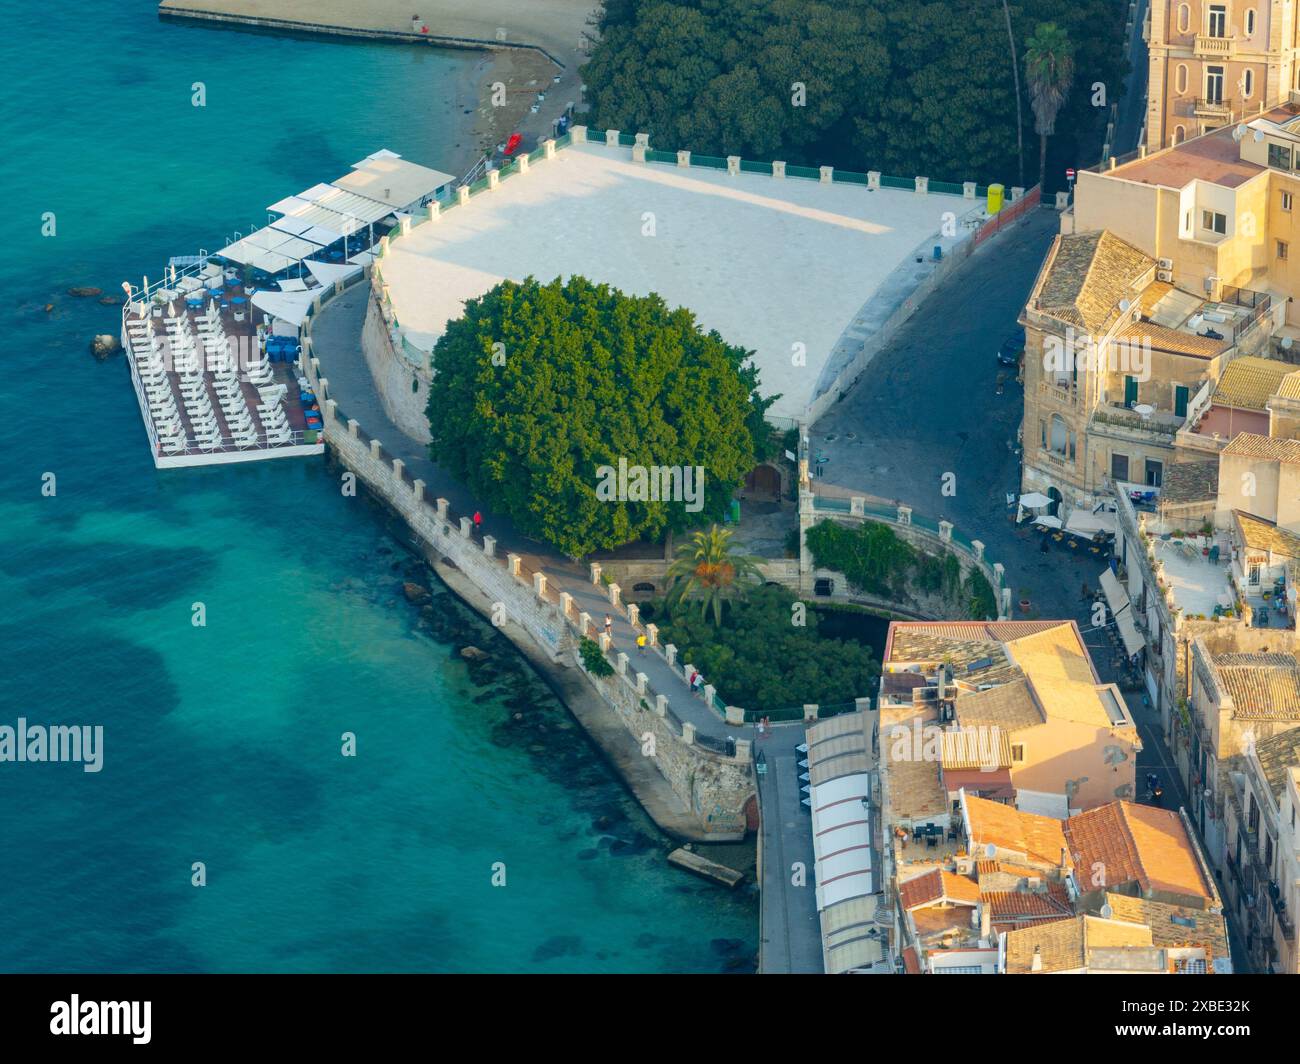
1012	348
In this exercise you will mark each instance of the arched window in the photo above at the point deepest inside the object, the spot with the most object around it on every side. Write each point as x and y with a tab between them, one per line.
1180	78
1248	83
1250	22
1184	18
1179	134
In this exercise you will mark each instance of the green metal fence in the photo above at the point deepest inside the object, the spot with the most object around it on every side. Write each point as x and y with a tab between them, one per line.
849	177
803	171
897	182
749	167
715	162
653	156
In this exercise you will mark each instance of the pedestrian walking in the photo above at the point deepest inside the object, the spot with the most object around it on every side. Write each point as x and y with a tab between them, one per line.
478	521
640	643
609	626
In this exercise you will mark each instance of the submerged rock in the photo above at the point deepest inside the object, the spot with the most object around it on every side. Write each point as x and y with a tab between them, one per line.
472	653
415	593
85	291
103	346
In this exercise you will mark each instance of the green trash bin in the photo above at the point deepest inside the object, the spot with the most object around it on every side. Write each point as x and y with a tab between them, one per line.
733	515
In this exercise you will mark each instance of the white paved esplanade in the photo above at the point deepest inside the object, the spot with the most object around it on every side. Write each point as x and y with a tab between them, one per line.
770	263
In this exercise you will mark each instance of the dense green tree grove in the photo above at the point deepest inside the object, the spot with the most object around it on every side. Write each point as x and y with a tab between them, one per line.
540	386
901	86
757	658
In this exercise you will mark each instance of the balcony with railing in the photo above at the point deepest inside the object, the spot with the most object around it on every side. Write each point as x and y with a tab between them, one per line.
1156	426
1207	46
1064	393
1212	107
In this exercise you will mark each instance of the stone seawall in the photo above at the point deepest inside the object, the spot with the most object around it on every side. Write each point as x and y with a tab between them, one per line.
403	386
707	792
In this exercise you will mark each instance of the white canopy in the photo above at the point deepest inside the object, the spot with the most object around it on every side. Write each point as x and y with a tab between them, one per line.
1048	521
1034	499
1128	632
287	306
328	272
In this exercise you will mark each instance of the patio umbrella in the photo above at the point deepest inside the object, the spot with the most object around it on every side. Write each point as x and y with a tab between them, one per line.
1034	499
171	309
1048	521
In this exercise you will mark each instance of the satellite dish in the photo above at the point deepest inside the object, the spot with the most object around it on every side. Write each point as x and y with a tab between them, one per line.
1286	342
1107	912
990	851
1259	135
1124	304
1239	132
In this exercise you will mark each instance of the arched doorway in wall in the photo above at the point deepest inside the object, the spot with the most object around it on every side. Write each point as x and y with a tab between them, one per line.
763	482
1055	506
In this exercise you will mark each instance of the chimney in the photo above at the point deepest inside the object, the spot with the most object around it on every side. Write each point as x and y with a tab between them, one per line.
940	682
986	923
1036	965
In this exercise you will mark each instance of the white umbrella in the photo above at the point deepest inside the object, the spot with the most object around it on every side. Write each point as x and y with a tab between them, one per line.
171	310
1035	499
1048	521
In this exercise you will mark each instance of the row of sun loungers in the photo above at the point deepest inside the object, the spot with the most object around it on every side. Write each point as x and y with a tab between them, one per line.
205	433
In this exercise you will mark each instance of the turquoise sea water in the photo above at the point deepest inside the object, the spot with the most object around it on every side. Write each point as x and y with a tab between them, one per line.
222	742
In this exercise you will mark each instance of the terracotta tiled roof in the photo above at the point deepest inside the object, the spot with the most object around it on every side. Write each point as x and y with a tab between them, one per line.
1039	838
1024	905
1265	535
1169	923
1262	686
922	889
1125	843
1289	388
1063	945
1008	707
1086	277
1058	667
1247	383
1190	482
1251	445
1277	755
1175	341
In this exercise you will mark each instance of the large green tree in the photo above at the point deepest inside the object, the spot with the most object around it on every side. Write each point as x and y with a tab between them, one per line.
902	86
543	392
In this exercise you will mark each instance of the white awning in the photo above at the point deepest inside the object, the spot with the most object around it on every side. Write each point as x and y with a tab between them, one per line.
393	181
287	306
854	885
1034	499
328	272
293	284
296	226
1128	632
288	205
1116	597
1048	521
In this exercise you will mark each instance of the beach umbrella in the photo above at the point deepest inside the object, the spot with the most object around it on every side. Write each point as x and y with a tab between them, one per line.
1034	499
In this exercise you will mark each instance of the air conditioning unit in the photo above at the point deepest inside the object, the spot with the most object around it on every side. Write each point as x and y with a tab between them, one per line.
1164	275
1165	264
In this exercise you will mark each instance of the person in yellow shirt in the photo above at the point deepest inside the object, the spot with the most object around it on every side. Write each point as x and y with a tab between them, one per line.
640	643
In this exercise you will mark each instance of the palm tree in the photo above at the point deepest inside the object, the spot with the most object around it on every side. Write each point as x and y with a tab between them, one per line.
1049	66
1020	117
708	570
